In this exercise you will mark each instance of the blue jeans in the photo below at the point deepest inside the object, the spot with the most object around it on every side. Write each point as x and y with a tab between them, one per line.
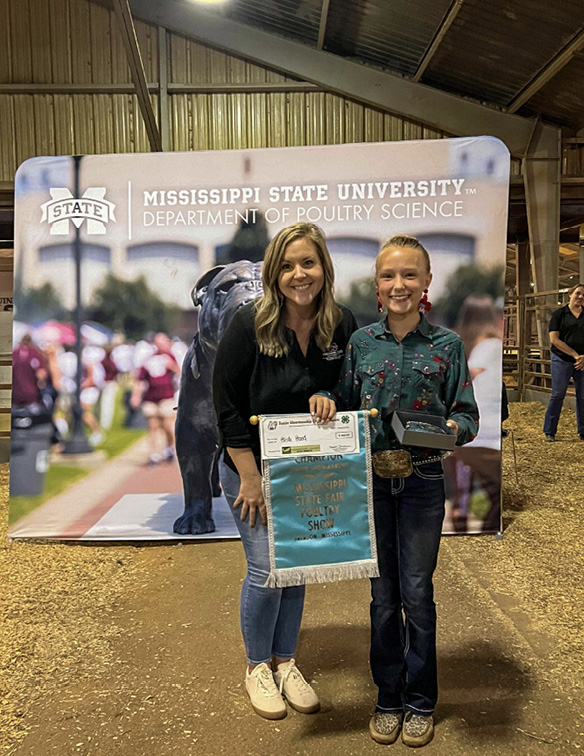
408	521
270	617
562	371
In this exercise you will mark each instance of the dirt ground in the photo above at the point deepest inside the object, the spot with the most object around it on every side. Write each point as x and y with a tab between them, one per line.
136	650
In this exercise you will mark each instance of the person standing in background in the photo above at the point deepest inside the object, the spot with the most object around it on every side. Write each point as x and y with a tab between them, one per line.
91	385
478	464
110	388
154	391
567	339
29	373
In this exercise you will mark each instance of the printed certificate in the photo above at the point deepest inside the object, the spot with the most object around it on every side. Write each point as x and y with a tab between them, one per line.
293	435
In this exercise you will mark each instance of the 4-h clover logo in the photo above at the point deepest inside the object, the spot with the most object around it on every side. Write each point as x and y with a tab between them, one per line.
345	419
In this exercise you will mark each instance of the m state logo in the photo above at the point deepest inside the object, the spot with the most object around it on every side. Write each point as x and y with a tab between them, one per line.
64	207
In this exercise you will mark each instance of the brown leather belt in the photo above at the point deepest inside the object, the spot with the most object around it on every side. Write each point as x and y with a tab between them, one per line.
398	463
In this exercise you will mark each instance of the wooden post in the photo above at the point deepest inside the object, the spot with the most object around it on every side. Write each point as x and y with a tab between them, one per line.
581	256
521	346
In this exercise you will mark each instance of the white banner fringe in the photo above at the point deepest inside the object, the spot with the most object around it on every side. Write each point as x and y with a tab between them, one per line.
324	573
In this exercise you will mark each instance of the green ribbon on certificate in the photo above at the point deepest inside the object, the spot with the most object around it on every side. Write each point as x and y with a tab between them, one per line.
319	499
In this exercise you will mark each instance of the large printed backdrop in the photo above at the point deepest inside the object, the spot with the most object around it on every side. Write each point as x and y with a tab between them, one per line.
151	225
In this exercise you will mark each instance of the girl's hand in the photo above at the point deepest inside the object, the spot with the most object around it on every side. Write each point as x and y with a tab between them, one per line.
251	498
453	425
321	408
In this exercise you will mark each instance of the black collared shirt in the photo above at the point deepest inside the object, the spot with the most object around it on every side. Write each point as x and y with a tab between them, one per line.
571	331
247	383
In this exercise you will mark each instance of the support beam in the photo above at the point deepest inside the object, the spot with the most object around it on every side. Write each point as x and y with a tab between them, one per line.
542	180
72	89
522	268
163	109
434	108
128	32
438	37
247	88
322	27
547	73
581	256
276	87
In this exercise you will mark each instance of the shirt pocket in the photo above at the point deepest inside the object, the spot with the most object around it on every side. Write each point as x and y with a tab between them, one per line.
372	375
428	373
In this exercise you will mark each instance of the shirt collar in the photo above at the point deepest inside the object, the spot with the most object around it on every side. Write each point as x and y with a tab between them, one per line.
424	327
378	329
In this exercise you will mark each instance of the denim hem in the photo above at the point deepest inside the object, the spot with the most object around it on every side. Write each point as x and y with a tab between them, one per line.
264	661
415	710
390	710
283	656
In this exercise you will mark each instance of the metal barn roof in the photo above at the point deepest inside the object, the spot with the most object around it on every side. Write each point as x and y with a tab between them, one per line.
520	56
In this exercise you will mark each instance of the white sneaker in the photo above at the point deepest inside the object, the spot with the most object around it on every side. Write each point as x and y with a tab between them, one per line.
263	693
295	689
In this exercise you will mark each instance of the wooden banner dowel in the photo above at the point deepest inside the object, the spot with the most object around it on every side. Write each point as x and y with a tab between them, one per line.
254	419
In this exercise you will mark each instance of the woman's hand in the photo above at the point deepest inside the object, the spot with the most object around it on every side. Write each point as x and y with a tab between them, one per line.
453	425
251	498
579	362
322	408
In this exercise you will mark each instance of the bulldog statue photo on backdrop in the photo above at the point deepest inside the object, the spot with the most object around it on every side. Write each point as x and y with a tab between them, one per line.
220	293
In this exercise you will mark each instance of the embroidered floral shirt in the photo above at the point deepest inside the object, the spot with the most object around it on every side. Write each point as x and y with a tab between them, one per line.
425	372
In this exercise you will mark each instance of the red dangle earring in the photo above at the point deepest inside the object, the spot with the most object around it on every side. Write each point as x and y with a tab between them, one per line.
379	303
425	305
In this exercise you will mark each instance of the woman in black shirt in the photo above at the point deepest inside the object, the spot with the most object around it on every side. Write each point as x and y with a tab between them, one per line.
567	339
275	355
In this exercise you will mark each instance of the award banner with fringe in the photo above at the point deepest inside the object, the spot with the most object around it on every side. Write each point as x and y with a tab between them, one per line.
319	499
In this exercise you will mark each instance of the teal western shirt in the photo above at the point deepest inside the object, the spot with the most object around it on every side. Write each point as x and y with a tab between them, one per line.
426	372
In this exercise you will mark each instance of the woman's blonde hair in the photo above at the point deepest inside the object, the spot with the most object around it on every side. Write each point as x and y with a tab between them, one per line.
269	327
403	240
